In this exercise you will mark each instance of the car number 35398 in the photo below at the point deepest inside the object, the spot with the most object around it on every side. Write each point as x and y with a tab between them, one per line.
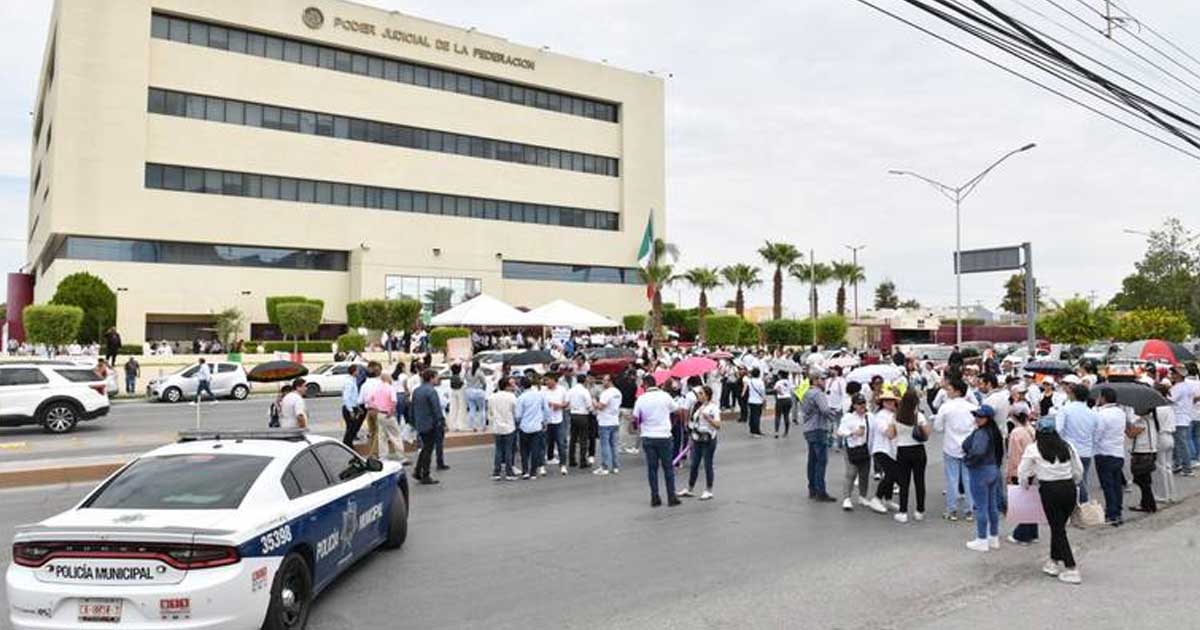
275	539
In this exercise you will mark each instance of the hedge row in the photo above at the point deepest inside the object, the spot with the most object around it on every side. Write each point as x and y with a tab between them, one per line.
439	336
351	341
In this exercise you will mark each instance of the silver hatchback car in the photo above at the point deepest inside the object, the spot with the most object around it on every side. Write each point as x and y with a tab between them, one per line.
228	380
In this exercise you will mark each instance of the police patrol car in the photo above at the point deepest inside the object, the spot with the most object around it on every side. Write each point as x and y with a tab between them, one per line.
228	529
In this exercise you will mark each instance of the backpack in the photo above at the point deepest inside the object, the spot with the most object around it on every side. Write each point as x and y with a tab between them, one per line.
273	416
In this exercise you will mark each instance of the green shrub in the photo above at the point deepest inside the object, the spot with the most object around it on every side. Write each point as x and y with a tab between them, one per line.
298	319
274	301
749	334
52	324
438	336
98	302
724	330
353	315
286	346
673	317
788	332
831	330
634	323
130	348
351	341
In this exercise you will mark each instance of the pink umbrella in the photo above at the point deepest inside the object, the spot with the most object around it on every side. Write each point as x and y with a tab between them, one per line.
694	366
661	376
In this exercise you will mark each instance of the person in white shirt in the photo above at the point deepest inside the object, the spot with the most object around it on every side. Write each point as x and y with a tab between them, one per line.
556	430
1053	462
1110	454
835	389
883	450
500	409
608	418
1165	416
204	382
756	397
853	429
292	411
783	403
997	397
653	413
703	427
955	419
579	404
1182	399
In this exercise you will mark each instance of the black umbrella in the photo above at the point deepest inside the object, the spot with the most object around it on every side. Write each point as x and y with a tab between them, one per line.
1140	396
274	371
530	357
1048	366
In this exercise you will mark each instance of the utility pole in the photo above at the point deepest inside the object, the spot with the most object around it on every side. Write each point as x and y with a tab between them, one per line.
854	250
812	292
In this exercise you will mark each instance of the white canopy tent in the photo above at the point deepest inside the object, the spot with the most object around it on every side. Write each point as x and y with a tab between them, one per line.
484	311
561	313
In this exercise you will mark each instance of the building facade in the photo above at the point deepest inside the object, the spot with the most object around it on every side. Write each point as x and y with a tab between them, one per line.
203	154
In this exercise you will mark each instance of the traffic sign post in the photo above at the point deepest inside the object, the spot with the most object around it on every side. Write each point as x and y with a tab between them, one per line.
1006	259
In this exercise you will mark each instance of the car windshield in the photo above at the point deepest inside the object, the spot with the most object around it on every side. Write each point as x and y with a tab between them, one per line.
1098	348
936	354
321	370
204	481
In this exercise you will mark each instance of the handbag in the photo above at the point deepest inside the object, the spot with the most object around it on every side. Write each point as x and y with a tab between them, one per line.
1090	514
919	435
1143	463
861	454
1025	506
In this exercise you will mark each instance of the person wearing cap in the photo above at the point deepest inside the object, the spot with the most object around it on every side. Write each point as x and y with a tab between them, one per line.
954	418
1110	454
853	429
883	449
1078	424
817	417
1054	464
983	451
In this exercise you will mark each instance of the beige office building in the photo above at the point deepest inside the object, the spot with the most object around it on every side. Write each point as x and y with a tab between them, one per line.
202	154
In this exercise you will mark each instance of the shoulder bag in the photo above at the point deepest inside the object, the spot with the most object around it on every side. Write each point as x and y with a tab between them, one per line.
861	454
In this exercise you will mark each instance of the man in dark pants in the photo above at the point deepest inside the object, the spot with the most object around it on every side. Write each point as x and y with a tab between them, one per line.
429	421
352	413
817	417
653	412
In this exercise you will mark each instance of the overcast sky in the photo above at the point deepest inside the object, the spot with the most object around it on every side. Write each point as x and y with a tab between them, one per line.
783	118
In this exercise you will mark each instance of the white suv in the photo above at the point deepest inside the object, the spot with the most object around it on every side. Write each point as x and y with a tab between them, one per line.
228	379
55	395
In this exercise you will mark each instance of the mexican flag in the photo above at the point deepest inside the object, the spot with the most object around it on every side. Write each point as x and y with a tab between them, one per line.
646	252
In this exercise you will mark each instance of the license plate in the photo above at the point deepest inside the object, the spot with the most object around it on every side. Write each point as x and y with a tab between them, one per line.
105	610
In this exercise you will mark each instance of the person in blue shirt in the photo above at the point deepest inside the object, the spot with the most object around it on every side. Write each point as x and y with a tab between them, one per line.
351	412
532	415
1077	424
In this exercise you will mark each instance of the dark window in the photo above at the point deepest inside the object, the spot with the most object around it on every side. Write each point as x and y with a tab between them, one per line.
213	182
235	112
308	473
308	122
225	368
195	106
375	67
358	196
193	180
341	127
342	61
271	117
218	37
201	481
338	461
341	194
358	64
274	48
237	40
79	375
270	187
198	34
172	178
308	55
22	376
160	27
153	176
391	70
254	115
232	184
158	101
290	486
289	120
252	185
324	192
216	109
517	270
176	104
404	201
257	45
325	58
288	191
179	30
324	125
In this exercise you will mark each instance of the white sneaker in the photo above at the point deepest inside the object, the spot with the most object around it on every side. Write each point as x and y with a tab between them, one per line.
541	470
919	516
552	461
979	544
706	496
563	470
862	501
616	471
518	472
1051	568
193	403
683	493
900	517
600	471
591	460
994	542
1070	576
877	506
848	505
893	506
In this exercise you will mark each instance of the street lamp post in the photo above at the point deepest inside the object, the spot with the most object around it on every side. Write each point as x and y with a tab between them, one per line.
957	195
854	252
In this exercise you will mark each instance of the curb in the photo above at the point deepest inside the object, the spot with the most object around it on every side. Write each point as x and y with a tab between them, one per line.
64	474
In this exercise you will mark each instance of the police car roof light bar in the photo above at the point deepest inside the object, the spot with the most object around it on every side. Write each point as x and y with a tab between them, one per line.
288	435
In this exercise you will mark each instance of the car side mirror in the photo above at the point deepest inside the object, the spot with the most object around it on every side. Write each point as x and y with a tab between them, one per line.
373	465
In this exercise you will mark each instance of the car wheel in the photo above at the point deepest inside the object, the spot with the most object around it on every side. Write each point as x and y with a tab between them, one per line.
60	417
240	392
173	395
291	595
312	390
397	521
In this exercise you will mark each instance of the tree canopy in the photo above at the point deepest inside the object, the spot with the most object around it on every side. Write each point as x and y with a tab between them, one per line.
1167	277
92	295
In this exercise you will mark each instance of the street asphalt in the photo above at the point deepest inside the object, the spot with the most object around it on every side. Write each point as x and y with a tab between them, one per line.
589	552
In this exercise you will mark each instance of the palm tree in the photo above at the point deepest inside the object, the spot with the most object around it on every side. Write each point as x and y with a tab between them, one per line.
741	276
782	255
816	274
658	274
705	279
846	273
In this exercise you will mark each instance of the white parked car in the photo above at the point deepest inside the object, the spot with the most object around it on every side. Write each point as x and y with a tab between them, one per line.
228	380
330	378
55	395
230	529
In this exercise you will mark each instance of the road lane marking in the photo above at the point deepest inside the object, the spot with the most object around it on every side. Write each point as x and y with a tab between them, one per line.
14	446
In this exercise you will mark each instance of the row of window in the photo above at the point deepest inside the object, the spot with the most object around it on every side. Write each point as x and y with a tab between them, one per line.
180	253
217	109
199	33
519	270
217	182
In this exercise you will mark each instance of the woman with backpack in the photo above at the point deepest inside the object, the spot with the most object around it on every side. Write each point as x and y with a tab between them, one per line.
1053	462
912	431
983	450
